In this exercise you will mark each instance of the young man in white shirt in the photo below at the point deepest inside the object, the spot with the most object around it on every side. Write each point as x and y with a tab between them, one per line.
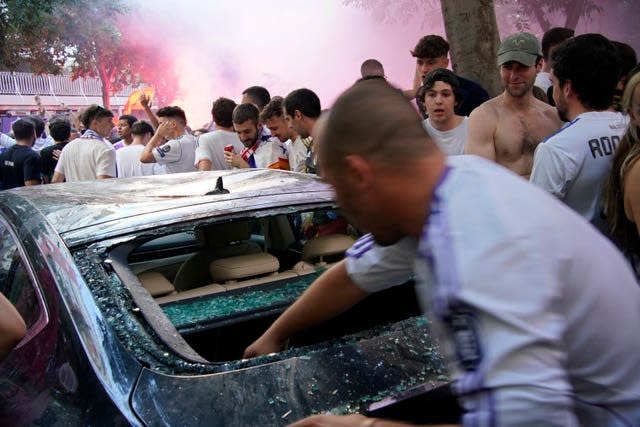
128	157
574	163
171	146
211	145
91	156
273	118
440	93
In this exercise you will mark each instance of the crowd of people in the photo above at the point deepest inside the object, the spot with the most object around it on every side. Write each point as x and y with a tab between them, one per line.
516	215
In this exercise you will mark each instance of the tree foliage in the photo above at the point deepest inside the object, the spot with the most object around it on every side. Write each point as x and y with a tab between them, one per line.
84	35
96	45
28	34
391	12
541	10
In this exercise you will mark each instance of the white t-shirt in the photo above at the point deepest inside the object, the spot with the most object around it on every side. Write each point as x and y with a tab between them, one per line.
450	141
83	159
211	146
129	164
573	164
297	153
543	81
535	310
268	152
177	155
6	141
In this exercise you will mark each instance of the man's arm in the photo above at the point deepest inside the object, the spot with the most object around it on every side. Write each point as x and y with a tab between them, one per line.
32	170
12	327
552	169
235	160
57	177
330	295
204	165
106	164
417	82
157	140
355	420
481	128
145	101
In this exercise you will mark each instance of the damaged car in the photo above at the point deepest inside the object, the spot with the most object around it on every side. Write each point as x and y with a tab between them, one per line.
141	294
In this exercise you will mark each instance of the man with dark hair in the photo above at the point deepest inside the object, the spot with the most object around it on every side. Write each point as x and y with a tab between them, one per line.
211	146
550	39
273	118
20	164
431	52
519	291
124	130
260	149
301	111
91	156
439	94
42	139
256	95
507	129
372	69
171	146
573	164
627	61
60	130
128	157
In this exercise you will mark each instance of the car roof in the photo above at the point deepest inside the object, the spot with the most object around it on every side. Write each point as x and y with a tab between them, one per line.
87	211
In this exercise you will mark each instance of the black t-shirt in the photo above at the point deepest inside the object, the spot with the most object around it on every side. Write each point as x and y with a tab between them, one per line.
18	164
472	96
47	162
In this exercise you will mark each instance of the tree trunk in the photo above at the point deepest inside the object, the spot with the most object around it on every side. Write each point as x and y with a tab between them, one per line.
105	79
472	32
544	23
573	12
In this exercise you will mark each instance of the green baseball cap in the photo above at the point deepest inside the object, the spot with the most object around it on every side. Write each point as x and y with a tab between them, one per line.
522	47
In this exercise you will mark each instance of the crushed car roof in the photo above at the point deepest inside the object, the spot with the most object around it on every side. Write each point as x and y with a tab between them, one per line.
85	211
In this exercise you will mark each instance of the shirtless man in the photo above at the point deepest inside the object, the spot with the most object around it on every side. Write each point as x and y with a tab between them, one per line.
507	128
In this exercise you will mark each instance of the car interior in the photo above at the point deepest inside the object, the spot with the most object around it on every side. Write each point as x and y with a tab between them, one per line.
222	284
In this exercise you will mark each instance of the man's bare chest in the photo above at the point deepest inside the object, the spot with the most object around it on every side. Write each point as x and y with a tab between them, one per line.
520	134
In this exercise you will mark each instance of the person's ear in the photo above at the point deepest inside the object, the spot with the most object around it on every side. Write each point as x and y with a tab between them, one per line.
538	65
297	115
567	89
358	172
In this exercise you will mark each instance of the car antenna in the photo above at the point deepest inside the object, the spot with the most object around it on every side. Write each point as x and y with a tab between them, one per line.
219	188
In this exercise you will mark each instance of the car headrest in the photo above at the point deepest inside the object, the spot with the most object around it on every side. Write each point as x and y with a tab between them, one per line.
219	235
243	266
319	247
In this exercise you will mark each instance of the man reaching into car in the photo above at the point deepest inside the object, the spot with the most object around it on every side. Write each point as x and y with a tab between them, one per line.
518	307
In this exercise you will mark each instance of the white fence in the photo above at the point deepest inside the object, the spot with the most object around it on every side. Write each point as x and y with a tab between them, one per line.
54	85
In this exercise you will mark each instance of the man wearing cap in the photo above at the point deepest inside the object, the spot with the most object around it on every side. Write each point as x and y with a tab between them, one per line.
508	128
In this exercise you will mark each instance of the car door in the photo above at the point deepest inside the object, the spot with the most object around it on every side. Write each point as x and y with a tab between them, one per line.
39	379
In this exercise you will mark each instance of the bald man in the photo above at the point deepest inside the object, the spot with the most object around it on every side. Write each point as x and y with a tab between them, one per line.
518	307
372	69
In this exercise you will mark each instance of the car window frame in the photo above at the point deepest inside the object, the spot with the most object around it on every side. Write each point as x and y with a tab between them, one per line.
44	317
